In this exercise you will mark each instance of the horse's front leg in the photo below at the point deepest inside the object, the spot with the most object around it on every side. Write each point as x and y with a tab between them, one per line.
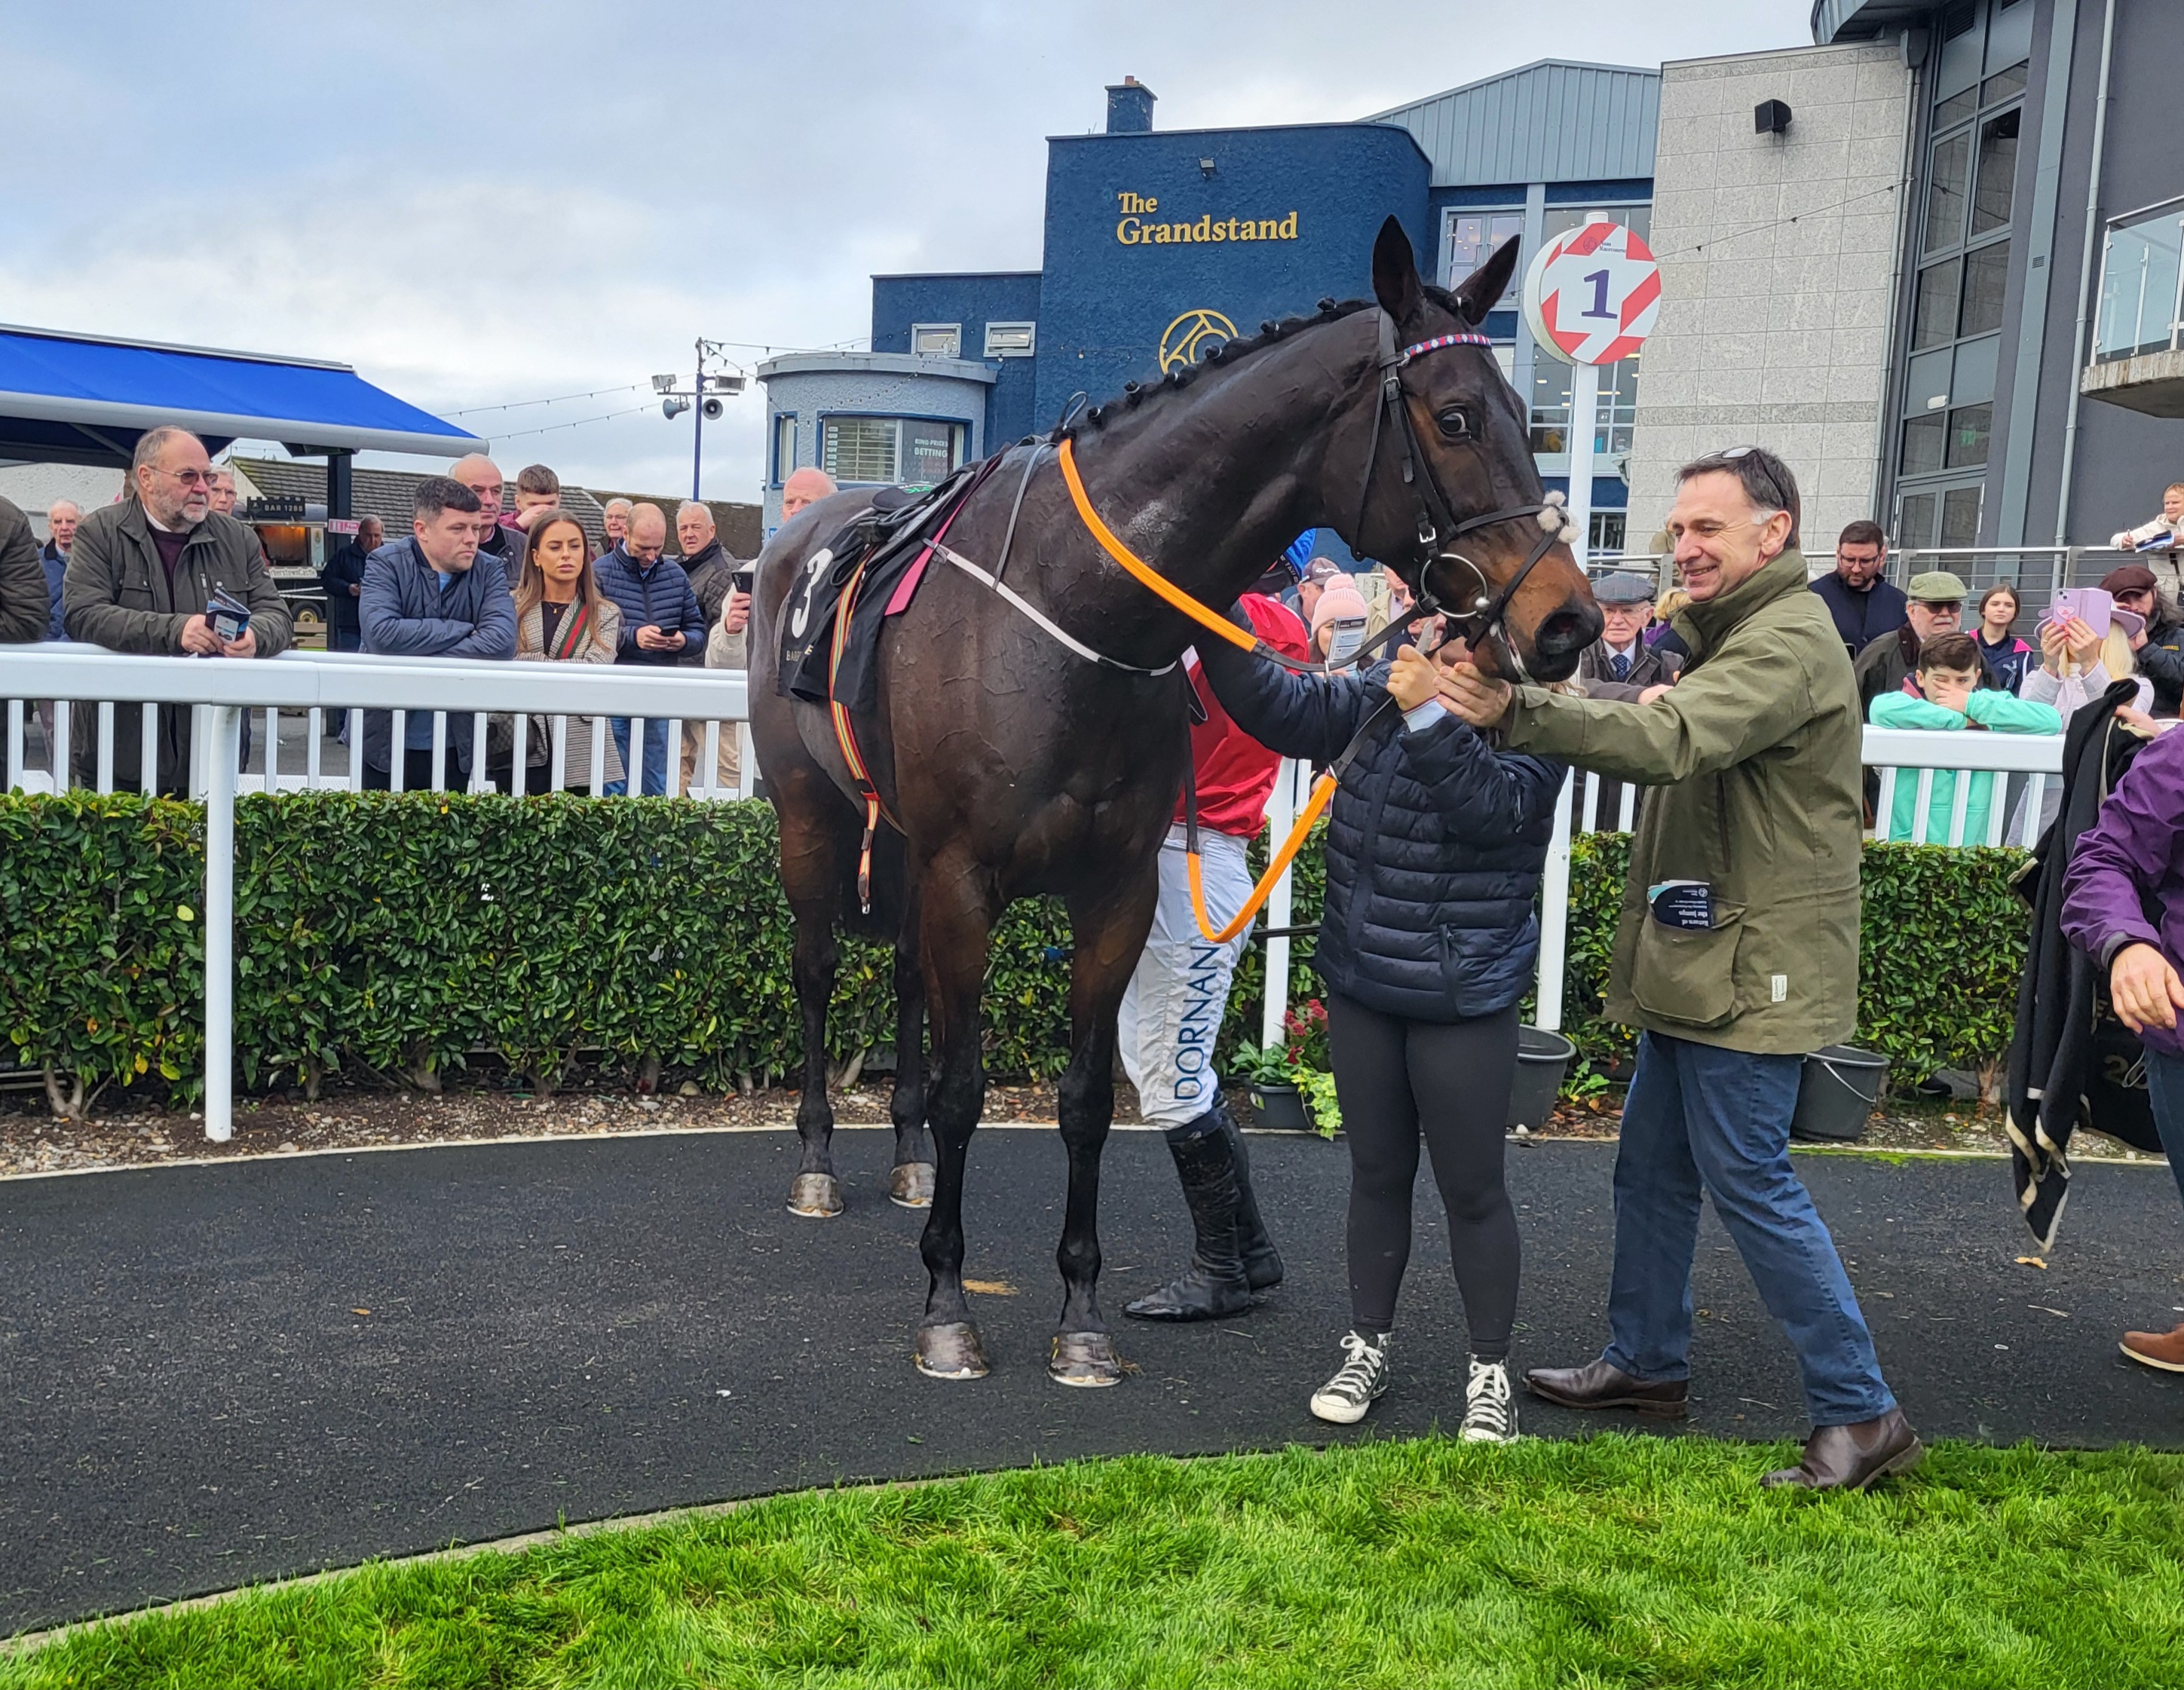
1108	931
956	902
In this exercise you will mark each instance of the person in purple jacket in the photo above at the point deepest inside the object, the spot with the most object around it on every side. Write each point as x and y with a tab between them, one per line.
2135	853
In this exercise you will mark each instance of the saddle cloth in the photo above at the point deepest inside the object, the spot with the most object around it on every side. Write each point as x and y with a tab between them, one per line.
887	542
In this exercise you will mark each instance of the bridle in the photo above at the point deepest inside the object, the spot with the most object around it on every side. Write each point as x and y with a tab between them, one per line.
1484	617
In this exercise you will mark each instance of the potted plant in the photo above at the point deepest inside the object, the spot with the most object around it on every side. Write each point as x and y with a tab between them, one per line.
1291	1087
1276	1104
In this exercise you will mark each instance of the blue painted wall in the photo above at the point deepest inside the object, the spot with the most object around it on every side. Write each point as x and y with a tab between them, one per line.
974	299
1105	303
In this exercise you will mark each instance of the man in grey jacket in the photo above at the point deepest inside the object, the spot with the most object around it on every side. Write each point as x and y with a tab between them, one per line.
421	597
139	578
24	607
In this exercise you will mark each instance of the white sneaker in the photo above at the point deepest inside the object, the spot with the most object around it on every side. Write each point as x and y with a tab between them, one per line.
1490	1407
1362	1376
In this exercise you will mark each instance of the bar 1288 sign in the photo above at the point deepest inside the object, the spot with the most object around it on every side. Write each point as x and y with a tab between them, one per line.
1590	298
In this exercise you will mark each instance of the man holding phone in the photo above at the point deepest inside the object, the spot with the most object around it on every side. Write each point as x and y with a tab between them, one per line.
723	588
150	576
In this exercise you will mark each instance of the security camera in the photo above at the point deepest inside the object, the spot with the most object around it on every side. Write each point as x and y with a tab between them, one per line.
673	406
663	384
725	384
714	410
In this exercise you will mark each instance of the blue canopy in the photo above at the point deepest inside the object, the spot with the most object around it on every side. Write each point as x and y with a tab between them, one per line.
77	399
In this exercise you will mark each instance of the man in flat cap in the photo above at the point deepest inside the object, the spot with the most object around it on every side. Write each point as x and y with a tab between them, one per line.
1936	606
1619	665
2136	588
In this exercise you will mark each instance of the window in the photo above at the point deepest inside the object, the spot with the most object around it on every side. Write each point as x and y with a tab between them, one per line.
1011	340
1945	193
1960	515
1969	428
1934	318
1997	172
784	446
904	451
937	340
1558	219
1987	276
1551	429
1923	440
1607	532
1469	238
1915	519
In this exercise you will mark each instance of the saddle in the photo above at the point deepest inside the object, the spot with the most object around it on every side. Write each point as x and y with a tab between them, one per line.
870	569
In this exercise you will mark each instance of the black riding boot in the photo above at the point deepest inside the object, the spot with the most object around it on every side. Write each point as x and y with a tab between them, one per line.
1262	1262
1214	1284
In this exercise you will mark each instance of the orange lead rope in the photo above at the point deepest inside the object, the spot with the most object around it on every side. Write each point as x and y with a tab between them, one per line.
1144	573
1322	790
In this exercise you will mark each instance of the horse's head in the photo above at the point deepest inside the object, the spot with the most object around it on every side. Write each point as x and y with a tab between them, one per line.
1473	458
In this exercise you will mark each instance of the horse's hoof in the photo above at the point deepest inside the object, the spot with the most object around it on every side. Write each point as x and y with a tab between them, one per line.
911	1185
1084	1358
950	1350
816	1197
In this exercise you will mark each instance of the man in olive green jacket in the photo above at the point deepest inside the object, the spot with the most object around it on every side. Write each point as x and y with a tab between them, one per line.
1736	953
140	577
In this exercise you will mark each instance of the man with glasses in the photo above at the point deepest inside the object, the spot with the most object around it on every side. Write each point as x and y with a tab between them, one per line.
1864	606
1934	606
139	578
1736	955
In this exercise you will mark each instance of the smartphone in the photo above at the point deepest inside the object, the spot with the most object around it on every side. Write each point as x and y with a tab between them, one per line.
228	621
2090	604
745	578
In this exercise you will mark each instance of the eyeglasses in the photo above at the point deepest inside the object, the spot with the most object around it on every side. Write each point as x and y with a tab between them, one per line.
192	478
1941	607
1735	454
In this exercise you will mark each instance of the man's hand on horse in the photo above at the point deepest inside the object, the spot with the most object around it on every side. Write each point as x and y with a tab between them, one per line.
1475	696
1414	679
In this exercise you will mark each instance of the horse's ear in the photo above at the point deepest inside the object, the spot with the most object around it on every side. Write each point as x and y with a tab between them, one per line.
1482	290
1395	272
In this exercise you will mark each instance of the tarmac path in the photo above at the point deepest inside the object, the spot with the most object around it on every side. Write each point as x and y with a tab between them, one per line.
232	1372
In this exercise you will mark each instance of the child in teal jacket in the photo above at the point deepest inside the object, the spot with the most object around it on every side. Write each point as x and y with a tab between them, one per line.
1946	694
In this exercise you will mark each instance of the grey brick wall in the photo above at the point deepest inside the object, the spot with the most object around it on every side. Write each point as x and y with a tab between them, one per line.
1778	254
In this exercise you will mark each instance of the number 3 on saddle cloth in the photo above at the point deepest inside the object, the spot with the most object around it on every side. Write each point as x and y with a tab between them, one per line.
830	633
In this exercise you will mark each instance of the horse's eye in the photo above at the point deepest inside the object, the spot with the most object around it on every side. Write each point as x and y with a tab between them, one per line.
1455	423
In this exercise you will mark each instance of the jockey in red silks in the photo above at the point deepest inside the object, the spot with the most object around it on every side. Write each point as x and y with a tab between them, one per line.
1171	1015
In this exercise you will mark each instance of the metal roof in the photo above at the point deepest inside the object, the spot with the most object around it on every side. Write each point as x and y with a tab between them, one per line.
1835	21
1554	121
84	399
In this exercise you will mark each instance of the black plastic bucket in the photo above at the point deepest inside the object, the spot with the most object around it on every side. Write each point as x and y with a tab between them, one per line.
1279	1109
1542	1058
1836	1094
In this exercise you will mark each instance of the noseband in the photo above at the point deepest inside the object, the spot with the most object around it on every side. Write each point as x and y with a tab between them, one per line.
1485	615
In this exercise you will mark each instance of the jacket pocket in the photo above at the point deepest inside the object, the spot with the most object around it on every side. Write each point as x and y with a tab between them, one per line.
1686	977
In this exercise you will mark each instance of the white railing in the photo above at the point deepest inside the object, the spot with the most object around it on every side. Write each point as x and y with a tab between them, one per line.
218	691
1895	752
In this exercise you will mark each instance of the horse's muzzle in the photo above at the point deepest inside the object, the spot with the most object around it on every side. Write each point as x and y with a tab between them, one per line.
1562	637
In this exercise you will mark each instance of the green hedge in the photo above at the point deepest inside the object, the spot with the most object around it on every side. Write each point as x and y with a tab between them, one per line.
377	934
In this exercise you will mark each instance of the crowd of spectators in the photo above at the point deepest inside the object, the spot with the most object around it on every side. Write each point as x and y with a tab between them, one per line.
481	574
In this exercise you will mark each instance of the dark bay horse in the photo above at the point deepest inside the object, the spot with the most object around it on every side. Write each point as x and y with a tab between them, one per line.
1015	767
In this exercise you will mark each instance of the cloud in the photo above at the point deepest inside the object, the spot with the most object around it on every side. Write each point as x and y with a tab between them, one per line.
477	204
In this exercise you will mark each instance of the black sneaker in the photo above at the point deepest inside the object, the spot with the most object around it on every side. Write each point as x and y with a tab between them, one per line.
1362	1378
1490	1407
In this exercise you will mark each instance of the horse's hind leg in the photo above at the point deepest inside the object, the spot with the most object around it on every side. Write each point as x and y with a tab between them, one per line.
811	876
912	1183
955	928
1108	931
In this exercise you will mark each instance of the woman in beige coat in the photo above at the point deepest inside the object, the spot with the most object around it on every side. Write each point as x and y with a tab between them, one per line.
561	616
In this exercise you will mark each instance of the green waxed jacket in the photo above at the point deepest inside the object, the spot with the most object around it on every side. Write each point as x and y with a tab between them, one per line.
1756	750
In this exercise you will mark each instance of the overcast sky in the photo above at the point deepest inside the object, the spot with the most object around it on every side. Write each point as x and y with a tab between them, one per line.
481	203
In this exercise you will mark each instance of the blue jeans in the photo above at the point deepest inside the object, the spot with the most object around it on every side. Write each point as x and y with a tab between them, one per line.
655	772
1699	1118
2165	1081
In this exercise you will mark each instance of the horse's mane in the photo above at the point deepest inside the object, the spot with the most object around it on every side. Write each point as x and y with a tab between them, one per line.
1331	310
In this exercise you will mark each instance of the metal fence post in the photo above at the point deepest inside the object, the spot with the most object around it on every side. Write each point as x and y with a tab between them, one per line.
1281	816
226	746
1554	915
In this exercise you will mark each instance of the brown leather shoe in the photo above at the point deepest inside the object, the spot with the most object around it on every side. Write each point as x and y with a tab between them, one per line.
1598	1385
2164	1350
1853	1458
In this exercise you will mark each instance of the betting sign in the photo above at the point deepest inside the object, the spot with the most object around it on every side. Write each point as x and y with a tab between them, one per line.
1592	294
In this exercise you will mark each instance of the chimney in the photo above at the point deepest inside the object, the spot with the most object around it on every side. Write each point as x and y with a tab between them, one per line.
1129	107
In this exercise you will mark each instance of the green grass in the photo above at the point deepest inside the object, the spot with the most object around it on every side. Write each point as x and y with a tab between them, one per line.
1618	1561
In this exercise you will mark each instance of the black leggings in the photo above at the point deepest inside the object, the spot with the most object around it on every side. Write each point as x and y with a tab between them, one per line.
1449	1080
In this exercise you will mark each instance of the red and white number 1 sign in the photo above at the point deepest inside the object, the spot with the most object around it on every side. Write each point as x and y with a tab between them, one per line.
1592	293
